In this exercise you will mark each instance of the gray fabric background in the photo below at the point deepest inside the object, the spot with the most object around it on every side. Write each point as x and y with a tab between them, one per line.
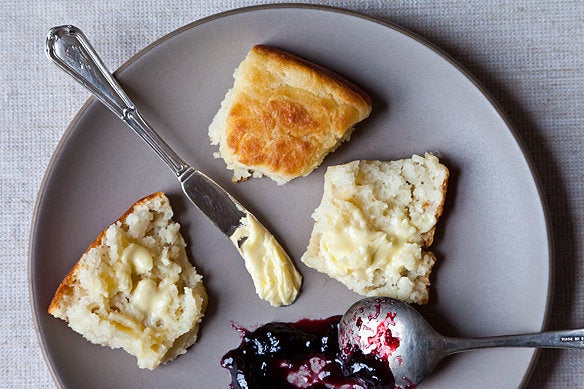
528	54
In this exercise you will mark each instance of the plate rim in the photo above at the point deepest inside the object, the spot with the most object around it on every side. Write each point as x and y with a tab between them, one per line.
334	9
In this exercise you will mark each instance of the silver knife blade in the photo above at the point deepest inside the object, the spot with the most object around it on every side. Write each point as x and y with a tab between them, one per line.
214	201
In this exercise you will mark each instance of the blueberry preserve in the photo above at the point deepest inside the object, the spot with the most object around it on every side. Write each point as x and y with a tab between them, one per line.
304	354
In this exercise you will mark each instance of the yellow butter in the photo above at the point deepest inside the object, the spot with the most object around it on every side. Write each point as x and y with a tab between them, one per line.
350	246
275	278
139	257
151	299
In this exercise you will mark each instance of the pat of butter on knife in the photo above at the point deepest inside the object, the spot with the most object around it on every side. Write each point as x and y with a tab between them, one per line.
275	278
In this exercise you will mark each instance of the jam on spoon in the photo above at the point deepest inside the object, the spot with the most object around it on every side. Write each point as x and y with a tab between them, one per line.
373	325
305	354
378	343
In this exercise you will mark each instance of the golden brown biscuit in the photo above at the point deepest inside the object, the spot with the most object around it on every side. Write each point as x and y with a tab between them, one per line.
283	115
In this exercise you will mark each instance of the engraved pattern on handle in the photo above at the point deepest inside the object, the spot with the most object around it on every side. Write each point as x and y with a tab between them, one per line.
549	339
68	47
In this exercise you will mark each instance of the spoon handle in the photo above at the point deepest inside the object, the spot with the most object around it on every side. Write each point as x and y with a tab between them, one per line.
549	339
68	47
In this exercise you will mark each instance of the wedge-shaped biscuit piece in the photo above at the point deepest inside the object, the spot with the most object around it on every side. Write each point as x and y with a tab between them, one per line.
134	288
375	223
284	115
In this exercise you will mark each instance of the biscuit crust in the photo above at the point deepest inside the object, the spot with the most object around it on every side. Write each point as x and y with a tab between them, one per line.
284	114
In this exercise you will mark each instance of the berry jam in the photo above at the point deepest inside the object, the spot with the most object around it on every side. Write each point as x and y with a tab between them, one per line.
381	341
304	354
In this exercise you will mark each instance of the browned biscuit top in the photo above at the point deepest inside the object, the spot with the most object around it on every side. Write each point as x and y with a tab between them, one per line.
287	112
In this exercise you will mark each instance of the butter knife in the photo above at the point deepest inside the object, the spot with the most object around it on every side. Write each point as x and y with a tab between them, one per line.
68	47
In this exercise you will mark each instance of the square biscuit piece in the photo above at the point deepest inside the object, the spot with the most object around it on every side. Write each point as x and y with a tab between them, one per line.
134	287
283	115
375	223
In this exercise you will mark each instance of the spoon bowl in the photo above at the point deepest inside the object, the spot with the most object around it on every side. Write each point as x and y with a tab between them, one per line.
395	332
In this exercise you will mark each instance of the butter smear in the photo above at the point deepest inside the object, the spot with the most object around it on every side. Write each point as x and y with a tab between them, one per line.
274	276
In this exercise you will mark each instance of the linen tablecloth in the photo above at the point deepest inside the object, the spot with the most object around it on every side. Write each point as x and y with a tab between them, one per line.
528	54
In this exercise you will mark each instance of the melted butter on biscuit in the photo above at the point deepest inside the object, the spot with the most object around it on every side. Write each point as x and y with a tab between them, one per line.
375	223
275	278
151	299
139	257
352	247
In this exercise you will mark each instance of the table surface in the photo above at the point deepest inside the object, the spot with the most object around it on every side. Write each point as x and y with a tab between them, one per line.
528	54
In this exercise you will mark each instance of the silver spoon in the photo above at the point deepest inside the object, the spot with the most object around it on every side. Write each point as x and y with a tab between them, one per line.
396	332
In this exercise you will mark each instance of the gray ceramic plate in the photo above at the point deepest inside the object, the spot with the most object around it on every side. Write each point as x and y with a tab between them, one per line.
493	245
